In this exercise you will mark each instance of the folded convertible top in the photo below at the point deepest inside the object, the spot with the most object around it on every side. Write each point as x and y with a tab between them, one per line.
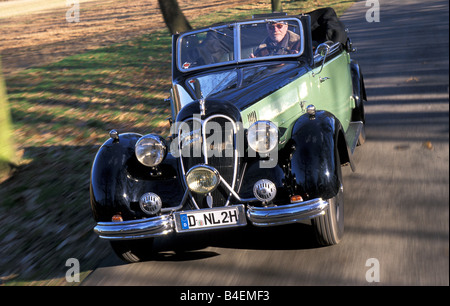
326	26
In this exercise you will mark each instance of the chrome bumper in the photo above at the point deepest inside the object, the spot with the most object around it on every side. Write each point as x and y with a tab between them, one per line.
165	224
285	214
135	229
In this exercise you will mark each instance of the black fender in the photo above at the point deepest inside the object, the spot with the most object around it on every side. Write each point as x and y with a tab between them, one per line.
359	92
318	147
118	180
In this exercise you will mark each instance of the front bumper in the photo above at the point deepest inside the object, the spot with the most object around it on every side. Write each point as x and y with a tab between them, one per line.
165	224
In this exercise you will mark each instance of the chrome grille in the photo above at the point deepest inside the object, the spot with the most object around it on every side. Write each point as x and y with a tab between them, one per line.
213	142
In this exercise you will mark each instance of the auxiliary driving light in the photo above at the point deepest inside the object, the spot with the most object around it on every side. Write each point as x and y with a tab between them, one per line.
202	179
150	203
264	190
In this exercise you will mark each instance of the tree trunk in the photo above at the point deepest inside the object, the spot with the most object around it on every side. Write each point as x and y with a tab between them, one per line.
173	16
7	152
276	6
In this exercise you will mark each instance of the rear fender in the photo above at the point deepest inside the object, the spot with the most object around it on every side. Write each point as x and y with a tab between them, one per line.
359	92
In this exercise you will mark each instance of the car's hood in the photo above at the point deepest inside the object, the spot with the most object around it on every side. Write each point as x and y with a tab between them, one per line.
246	85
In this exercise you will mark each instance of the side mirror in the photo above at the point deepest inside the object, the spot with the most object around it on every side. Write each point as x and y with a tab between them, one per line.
349	45
322	51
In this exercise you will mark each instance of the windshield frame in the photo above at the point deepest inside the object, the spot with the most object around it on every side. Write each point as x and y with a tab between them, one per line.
237	43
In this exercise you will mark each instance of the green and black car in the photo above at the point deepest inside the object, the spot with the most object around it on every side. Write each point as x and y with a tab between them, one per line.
260	129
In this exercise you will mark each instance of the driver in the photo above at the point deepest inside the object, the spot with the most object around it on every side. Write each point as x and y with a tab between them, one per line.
280	41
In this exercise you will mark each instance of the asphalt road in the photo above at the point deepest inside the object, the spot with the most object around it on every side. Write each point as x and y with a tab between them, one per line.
396	202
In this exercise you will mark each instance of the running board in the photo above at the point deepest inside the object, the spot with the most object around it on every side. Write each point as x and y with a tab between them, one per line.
354	133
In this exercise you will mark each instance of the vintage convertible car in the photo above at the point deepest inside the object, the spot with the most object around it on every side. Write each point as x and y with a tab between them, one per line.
264	114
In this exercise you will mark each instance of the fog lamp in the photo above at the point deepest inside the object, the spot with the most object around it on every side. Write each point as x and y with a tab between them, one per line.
265	190
150	203
202	179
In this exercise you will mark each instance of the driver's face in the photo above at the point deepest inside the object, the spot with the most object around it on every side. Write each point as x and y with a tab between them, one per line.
277	31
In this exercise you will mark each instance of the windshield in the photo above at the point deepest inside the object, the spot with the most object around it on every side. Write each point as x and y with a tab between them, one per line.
240	42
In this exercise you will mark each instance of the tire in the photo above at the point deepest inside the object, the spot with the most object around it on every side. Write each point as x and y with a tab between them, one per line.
329	228
132	251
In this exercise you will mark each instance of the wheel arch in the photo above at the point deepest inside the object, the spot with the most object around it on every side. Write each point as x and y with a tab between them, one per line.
315	143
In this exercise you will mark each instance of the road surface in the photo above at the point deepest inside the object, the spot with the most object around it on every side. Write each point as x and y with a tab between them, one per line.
396	213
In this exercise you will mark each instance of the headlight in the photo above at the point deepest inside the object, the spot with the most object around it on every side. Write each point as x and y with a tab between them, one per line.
262	136
150	150
202	179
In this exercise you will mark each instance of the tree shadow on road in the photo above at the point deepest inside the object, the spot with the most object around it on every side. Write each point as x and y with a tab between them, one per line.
187	247
203	245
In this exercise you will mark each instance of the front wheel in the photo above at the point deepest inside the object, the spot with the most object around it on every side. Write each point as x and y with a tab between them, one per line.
133	250
329	228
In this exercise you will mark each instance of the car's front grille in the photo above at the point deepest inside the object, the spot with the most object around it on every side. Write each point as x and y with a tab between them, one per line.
217	136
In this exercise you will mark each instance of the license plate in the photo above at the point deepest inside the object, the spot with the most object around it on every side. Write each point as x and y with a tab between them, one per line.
204	219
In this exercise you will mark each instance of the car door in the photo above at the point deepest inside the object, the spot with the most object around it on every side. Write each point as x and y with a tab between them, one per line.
332	84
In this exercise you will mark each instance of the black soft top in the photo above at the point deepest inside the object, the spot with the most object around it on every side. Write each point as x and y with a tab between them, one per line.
326	26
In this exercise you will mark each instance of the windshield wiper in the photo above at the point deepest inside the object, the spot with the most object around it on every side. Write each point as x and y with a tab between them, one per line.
221	33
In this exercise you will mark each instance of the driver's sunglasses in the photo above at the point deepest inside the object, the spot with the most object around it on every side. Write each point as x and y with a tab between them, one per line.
278	25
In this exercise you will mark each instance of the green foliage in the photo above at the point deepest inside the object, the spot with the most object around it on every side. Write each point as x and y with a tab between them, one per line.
7	154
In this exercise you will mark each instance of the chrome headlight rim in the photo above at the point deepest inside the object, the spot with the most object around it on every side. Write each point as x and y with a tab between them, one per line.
211	170
146	155
253	133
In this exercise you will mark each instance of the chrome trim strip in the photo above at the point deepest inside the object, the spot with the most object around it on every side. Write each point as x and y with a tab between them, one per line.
285	214
237	46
